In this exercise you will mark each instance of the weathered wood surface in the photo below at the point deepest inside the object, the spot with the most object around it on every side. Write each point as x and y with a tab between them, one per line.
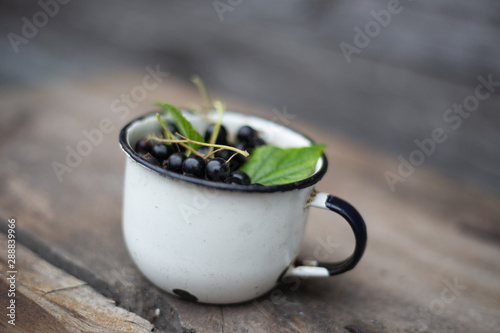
429	234
48	299
287	54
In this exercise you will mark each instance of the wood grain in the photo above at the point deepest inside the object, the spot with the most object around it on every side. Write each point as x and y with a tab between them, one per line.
49	300
417	248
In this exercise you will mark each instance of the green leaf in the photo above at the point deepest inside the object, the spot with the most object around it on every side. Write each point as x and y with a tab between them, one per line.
184	126
270	165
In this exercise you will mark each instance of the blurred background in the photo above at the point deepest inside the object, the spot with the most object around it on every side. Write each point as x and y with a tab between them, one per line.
379	73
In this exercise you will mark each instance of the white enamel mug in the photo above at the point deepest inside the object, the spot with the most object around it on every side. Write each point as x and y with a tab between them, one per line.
217	243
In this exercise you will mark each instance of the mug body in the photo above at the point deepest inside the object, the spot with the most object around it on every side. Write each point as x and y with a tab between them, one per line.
212	242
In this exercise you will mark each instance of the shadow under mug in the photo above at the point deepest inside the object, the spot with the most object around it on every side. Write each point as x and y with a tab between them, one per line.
218	243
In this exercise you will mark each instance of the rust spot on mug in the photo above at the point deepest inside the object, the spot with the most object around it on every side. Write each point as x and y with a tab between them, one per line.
185	295
311	197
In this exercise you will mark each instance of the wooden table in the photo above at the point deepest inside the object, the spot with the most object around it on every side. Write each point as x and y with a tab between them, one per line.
432	263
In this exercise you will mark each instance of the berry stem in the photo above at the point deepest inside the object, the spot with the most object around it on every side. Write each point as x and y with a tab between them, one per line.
219	106
214	152
181	142
169	135
164	124
186	140
203	91
221	147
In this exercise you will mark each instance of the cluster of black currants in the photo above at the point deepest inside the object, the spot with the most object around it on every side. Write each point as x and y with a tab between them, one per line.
223	167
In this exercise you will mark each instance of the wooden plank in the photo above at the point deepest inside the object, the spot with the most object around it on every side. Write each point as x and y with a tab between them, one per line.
49	300
417	242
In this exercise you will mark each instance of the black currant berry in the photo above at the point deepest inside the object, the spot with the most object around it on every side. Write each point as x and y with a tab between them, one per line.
224	154
234	180
173	129
161	151
203	150
143	147
221	137
151	159
174	162
194	166
257	142
235	161
245	180
246	133
244	147
217	169
233	164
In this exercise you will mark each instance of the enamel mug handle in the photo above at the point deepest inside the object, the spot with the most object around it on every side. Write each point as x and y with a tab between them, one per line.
313	268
